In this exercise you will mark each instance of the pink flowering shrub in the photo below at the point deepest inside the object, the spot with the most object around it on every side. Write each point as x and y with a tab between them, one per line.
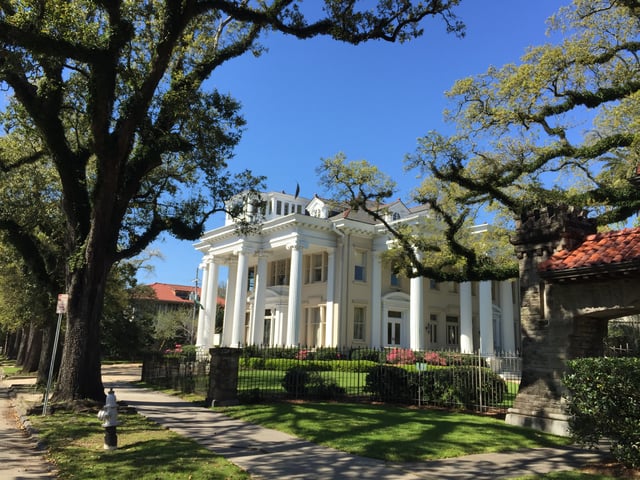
401	356
302	354
434	358
177	349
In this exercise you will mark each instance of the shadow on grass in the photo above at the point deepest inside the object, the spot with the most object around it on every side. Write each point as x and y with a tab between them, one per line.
392	433
145	451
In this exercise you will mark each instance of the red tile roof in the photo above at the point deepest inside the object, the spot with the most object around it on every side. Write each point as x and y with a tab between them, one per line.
171	293
166	292
600	253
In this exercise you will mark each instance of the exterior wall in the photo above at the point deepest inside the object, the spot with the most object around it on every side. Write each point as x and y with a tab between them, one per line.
560	321
350	300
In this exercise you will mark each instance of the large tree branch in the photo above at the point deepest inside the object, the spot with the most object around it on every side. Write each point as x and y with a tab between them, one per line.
30	251
31	159
345	23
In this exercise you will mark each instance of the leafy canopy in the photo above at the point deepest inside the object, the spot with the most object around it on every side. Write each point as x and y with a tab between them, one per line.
114	94
560	127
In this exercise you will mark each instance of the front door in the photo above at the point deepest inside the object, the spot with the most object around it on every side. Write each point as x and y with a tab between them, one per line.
394	328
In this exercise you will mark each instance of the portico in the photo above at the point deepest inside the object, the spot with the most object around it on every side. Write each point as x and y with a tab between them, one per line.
320	281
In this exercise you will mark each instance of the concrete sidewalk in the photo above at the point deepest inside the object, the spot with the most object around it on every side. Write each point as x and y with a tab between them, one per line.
270	454
21	458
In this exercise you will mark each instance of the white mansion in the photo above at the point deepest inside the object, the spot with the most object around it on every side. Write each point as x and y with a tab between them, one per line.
314	277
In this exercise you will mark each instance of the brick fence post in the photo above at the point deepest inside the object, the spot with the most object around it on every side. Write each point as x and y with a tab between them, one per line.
223	376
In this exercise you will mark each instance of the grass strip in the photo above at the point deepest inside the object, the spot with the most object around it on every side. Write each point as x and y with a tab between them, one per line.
390	433
145	450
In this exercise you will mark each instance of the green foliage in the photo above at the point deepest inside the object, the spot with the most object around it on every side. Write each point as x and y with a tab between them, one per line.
604	403
558	127
463	386
174	326
457	386
372	355
299	381
455	358
623	338
127	326
283	364
390	383
435	246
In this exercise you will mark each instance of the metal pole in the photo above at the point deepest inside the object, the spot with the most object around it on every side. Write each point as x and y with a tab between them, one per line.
51	366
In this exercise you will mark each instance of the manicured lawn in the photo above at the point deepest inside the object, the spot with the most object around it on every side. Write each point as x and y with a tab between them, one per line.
271	380
145	451
352	382
393	433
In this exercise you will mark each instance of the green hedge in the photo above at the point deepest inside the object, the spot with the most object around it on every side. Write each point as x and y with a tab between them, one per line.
458	386
301	382
604	403
284	364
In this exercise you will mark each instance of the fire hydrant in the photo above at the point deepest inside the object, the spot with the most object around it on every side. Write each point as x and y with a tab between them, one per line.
109	416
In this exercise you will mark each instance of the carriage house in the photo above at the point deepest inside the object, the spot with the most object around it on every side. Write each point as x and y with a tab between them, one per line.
313	276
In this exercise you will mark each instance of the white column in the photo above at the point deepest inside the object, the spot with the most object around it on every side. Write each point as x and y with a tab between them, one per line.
506	305
416	311
257	313
295	295
331	282
376	301
240	300
211	307
466	318
227	326
200	332
280	337
486	318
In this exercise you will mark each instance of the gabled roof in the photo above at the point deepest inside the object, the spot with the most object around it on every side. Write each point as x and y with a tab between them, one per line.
356	215
600	254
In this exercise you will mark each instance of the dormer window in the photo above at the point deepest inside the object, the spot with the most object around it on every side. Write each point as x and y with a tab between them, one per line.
395	216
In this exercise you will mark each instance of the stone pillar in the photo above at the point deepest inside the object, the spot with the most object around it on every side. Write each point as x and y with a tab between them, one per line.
257	312
295	295
240	300
546	342
223	376
466	318
486	318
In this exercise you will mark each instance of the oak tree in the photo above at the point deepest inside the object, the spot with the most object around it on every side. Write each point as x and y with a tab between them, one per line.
119	96
558	128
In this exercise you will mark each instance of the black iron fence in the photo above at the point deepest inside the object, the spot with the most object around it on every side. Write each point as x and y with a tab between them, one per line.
183	372
445	379
623	339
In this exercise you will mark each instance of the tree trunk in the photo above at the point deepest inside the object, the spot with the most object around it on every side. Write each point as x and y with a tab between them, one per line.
48	335
22	346
80	374
12	341
34	347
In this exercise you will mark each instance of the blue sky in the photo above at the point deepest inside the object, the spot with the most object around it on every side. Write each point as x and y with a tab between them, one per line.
307	100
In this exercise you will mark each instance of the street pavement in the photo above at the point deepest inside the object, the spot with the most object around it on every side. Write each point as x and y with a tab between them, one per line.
270	454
